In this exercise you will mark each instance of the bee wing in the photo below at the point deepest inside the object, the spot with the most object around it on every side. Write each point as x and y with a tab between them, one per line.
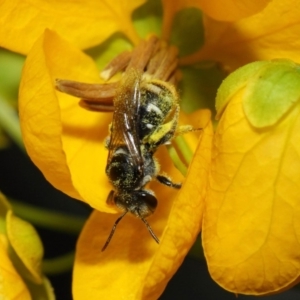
124	129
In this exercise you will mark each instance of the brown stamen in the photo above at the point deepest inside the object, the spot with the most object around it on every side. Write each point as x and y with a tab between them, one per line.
95	97
152	57
89	91
119	63
142	54
106	105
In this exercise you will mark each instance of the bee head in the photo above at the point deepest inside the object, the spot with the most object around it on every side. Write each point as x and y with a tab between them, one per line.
140	203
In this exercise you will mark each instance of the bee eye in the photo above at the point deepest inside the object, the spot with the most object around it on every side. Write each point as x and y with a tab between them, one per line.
148	199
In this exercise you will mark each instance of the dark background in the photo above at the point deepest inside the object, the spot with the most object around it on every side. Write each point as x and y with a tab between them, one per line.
20	179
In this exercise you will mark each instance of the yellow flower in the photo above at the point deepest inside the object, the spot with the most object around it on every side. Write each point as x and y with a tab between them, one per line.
84	23
251	224
272	33
13	286
68	147
21	252
67	144
88	23
64	141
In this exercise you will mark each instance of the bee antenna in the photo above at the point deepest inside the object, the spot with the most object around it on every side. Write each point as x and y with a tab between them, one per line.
150	230
113	231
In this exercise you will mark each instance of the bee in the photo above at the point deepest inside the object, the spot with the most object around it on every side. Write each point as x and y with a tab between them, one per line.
145	116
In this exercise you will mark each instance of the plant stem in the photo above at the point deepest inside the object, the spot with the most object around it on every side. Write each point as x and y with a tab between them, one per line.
184	148
9	121
48	219
176	160
58	264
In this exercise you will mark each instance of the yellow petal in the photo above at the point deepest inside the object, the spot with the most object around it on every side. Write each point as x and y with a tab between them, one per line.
231	10
65	141
134	266
25	241
272	33
251	226
84	23
228	10
170	8
12	286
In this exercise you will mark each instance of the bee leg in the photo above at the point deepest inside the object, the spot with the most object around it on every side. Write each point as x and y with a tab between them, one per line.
164	133
168	182
183	129
110	198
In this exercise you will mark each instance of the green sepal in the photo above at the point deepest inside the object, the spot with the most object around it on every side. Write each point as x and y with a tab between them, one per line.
233	83
271	93
271	88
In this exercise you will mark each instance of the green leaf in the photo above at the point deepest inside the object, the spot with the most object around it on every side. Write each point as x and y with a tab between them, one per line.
187	31
10	74
198	87
106	51
147	19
